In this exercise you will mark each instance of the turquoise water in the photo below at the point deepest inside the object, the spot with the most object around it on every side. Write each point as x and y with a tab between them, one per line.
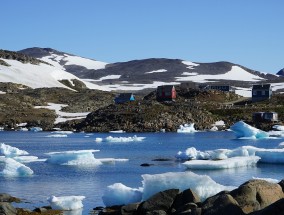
50	179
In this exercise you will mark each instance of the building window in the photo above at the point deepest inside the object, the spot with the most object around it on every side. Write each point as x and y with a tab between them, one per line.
263	92
254	92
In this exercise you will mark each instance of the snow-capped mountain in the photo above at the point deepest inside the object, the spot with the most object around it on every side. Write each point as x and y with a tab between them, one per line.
149	73
21	69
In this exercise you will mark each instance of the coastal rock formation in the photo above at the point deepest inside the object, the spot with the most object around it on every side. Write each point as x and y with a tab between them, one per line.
255	197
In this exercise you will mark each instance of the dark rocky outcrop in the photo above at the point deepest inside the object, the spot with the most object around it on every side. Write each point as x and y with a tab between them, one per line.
9	55
159	203
222	203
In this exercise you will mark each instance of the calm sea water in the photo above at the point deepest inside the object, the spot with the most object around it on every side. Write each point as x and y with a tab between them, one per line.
91	182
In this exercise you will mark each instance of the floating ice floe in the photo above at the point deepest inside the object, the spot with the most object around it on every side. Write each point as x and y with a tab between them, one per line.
117	131
186	128
80	157
9	151
66	202
62	132
243	130
203	185
57	135
228	163
112	160
13	168
266	155
120	139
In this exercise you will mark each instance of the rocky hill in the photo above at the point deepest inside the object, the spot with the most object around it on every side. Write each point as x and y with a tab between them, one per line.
137	75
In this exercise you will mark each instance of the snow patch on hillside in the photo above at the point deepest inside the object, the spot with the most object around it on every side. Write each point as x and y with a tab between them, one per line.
63	116
236	73
190	64
156	71
60	60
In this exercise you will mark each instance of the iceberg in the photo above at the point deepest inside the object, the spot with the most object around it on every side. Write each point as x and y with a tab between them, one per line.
203	185
233	162
76	158
13	168
9	151
66	202
243	130
124	139
186	128
266	155
119	194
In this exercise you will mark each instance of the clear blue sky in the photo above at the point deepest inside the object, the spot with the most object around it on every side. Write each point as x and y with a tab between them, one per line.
246	32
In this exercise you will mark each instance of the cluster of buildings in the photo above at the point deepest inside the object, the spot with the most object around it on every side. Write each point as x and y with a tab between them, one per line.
260	92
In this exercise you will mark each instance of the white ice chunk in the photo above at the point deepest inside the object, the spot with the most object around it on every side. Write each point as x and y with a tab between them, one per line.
202	185
186	128
271	155
62	132
98	139
57	135
77	158
278	127
35	129
266	155
119	194
124	139
13	168
243	130
10	151
117	131
228	163
66	202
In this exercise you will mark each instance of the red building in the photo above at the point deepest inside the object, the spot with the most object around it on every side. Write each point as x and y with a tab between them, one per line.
166	93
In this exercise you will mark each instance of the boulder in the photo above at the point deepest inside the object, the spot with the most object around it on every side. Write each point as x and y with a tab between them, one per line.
161	201
129	209
255	195
277	208
186	200
222	203
7	209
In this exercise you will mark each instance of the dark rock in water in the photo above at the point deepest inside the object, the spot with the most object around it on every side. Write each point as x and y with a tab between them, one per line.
276	208
7	209
4	197
162	159
146	164
255	195
222	203
161	201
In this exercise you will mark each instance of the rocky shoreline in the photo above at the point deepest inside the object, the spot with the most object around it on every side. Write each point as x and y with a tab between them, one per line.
254	197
